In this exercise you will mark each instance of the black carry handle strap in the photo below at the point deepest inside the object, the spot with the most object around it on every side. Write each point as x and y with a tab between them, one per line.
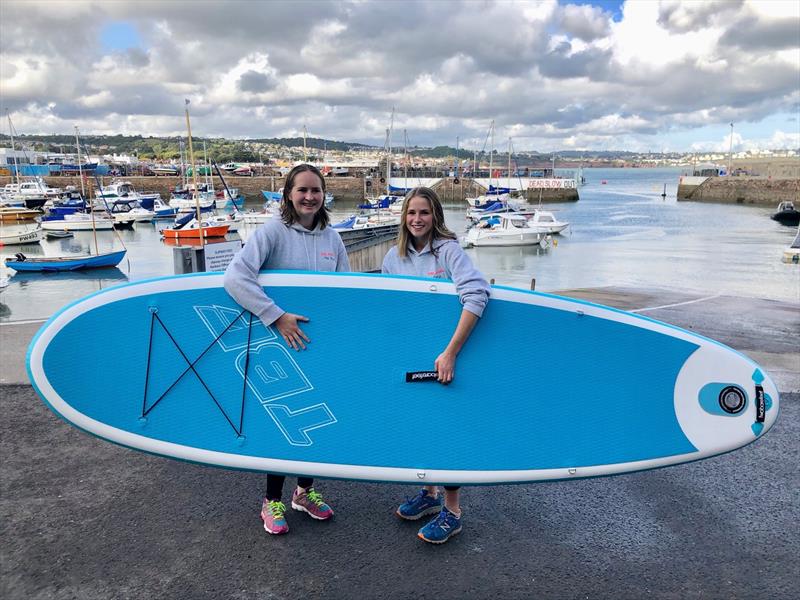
761	405
420	376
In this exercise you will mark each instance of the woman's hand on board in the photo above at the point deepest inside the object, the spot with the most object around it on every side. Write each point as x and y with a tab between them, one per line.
290	331
445	366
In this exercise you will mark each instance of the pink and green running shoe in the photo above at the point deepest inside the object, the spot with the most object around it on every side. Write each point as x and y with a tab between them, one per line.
272	513
311	502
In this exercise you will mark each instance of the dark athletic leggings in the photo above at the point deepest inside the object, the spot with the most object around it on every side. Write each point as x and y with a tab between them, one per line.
275	485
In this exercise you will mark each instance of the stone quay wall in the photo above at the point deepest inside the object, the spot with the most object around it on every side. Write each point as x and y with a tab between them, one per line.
350	189
742	190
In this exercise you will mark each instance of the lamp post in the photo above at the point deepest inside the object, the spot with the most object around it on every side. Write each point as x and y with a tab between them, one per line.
730	152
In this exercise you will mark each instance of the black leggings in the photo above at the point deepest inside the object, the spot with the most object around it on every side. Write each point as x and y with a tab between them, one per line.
275	485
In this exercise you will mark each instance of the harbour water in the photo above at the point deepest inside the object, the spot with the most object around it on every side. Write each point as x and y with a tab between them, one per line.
622	233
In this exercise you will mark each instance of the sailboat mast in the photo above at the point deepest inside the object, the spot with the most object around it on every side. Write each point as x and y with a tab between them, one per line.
508	174
405	160
80	168
491	155
13	149
194	176
389	152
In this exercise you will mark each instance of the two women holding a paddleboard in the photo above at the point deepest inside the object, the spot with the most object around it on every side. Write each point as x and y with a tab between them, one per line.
426	248
300	240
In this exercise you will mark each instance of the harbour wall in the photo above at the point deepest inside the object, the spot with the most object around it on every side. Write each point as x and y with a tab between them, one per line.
350	189
739	190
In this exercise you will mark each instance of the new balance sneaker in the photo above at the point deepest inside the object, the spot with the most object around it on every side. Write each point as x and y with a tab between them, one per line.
441	529
272	513
311	502
420	505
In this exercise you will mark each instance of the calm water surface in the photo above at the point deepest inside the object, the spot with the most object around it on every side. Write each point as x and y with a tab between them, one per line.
622	233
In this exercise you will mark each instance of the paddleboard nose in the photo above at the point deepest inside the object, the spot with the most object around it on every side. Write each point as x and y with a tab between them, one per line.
742	401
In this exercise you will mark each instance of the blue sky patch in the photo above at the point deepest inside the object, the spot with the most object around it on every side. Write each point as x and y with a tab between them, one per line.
610	6
120	35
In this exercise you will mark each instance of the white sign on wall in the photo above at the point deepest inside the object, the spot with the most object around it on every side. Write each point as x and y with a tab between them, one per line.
219	255
553	183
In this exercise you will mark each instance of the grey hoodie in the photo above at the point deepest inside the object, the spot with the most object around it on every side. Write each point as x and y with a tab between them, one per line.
450	262
278	246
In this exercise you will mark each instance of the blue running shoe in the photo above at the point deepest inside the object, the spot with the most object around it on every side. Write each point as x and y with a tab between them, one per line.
441	529
420	505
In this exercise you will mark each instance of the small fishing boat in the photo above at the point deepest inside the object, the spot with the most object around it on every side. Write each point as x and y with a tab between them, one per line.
15	235
20	262
504	230
787	214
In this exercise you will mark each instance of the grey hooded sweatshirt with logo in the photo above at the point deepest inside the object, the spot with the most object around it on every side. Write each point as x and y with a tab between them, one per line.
449	262
277	246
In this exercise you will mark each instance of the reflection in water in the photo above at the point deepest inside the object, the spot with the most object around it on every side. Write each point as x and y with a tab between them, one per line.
111	275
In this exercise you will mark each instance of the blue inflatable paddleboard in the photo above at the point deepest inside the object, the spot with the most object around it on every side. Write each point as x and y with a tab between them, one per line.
546	388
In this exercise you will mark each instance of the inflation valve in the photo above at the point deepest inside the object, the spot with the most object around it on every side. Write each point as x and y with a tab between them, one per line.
732	399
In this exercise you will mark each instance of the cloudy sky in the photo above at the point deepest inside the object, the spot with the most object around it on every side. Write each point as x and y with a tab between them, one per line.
602	74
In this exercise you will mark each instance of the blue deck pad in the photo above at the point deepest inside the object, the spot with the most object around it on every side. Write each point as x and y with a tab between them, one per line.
535	388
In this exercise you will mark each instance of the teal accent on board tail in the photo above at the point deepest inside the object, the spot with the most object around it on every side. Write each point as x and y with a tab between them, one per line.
709	399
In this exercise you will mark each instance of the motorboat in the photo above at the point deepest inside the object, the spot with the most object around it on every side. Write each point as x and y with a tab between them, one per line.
22	233
119	189
546	222
232	220
383	201
164	170
504	230
787	214
495	208
163	210
486	199
381	219
127	212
